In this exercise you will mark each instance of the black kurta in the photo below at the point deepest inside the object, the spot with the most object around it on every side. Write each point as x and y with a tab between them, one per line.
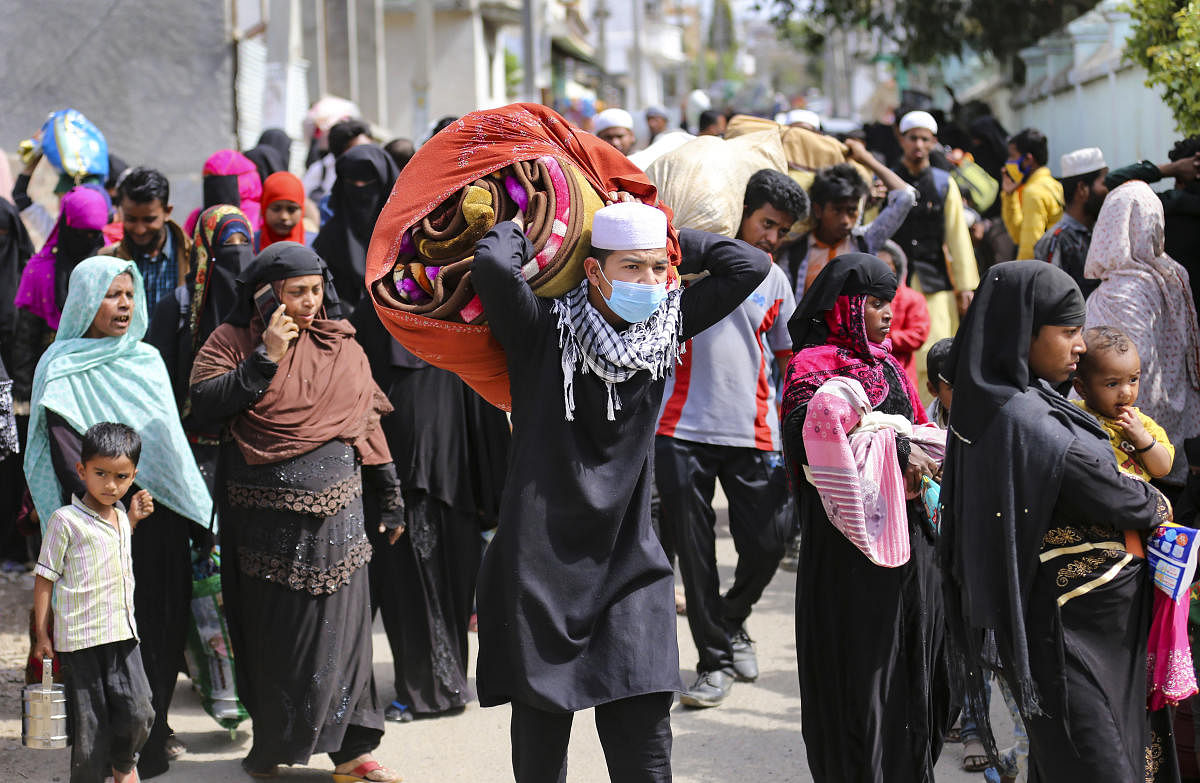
870	643
576	597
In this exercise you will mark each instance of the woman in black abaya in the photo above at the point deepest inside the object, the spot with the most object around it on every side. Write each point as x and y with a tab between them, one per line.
869	644
271	154
365	175
15	251
451	454
305	446
1042	586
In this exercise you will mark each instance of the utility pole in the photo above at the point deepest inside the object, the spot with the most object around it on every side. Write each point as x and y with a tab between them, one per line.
422	68
602	15
635	66
529	45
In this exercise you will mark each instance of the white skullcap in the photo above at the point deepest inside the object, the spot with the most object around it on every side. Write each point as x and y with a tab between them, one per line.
806	116
655	110
612	118
629	225
918	119
1084	161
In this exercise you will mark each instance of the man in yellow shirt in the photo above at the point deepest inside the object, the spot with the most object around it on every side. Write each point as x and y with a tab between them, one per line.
1032	200
934	236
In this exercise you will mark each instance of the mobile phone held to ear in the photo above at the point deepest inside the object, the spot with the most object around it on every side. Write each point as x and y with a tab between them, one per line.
266	302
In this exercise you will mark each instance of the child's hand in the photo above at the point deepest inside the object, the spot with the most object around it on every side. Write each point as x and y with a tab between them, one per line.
42	648
140	507
1132	426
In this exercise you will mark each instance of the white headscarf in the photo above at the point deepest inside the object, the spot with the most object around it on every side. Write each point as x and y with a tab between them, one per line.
1146	294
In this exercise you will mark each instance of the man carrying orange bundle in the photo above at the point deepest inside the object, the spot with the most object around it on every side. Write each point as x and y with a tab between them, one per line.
576	597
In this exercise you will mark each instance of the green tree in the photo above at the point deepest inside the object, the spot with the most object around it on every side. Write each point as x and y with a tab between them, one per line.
722	40
1166	42
513	75
925	30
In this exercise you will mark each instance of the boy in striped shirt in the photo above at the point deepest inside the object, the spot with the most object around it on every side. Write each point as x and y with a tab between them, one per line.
85	562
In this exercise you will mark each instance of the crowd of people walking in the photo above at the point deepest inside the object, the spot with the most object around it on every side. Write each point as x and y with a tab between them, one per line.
958	393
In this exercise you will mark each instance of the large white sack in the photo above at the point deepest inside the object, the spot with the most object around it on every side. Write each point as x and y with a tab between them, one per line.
667	141
704	181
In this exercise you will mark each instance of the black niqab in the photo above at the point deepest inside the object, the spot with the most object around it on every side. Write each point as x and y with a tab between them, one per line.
16	248
344	238
989	145
221	189
1003	471
225	268
272	152
74	245
280	261
850	274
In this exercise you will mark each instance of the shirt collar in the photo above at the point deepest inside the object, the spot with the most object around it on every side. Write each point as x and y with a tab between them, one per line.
78	503
1073	224
168	249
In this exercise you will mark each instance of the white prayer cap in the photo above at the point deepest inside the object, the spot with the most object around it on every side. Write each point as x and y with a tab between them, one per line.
806	116
918	119
629	225
1084	161
655	110
612	118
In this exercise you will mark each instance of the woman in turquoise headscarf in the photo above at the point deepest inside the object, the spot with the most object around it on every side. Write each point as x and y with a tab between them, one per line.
98	369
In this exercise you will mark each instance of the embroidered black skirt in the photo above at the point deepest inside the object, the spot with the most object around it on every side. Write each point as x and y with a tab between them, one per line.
297	599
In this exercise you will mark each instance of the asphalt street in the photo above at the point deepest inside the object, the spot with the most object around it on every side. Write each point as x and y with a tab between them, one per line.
753	736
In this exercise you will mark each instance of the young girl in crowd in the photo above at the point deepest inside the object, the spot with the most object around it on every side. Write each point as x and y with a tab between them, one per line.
1107	380
283	211
873	667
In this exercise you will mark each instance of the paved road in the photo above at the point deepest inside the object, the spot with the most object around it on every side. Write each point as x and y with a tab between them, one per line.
754	736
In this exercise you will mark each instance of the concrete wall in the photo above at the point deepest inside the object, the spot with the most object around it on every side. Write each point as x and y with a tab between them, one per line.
462	73
158	84
1116	112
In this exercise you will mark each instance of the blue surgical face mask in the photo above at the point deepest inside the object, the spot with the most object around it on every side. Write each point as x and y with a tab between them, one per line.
634	302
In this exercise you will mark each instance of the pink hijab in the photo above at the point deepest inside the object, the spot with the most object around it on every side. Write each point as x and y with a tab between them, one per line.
83	207
234	163
852	462
1146	294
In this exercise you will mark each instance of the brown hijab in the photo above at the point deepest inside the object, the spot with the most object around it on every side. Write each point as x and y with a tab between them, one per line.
323	389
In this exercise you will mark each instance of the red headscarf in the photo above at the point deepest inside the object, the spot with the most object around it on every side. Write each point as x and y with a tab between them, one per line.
281	186
469	148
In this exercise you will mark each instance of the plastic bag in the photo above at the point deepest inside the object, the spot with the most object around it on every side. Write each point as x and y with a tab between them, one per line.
74	146
976	184
209	654
704	181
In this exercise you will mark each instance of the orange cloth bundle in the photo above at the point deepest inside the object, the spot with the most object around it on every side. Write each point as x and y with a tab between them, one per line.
483	169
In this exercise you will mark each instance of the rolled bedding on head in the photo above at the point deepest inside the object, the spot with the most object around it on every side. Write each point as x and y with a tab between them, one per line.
485	168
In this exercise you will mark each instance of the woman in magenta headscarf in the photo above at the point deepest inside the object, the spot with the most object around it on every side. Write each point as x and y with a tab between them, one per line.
42	291
230	178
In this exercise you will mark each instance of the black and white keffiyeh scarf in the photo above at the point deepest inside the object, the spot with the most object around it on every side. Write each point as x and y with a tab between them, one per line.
592	344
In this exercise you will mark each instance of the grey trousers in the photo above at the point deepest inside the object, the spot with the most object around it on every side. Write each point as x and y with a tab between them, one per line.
108	699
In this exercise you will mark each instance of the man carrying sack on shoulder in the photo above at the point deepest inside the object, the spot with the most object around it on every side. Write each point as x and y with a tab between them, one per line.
576	597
